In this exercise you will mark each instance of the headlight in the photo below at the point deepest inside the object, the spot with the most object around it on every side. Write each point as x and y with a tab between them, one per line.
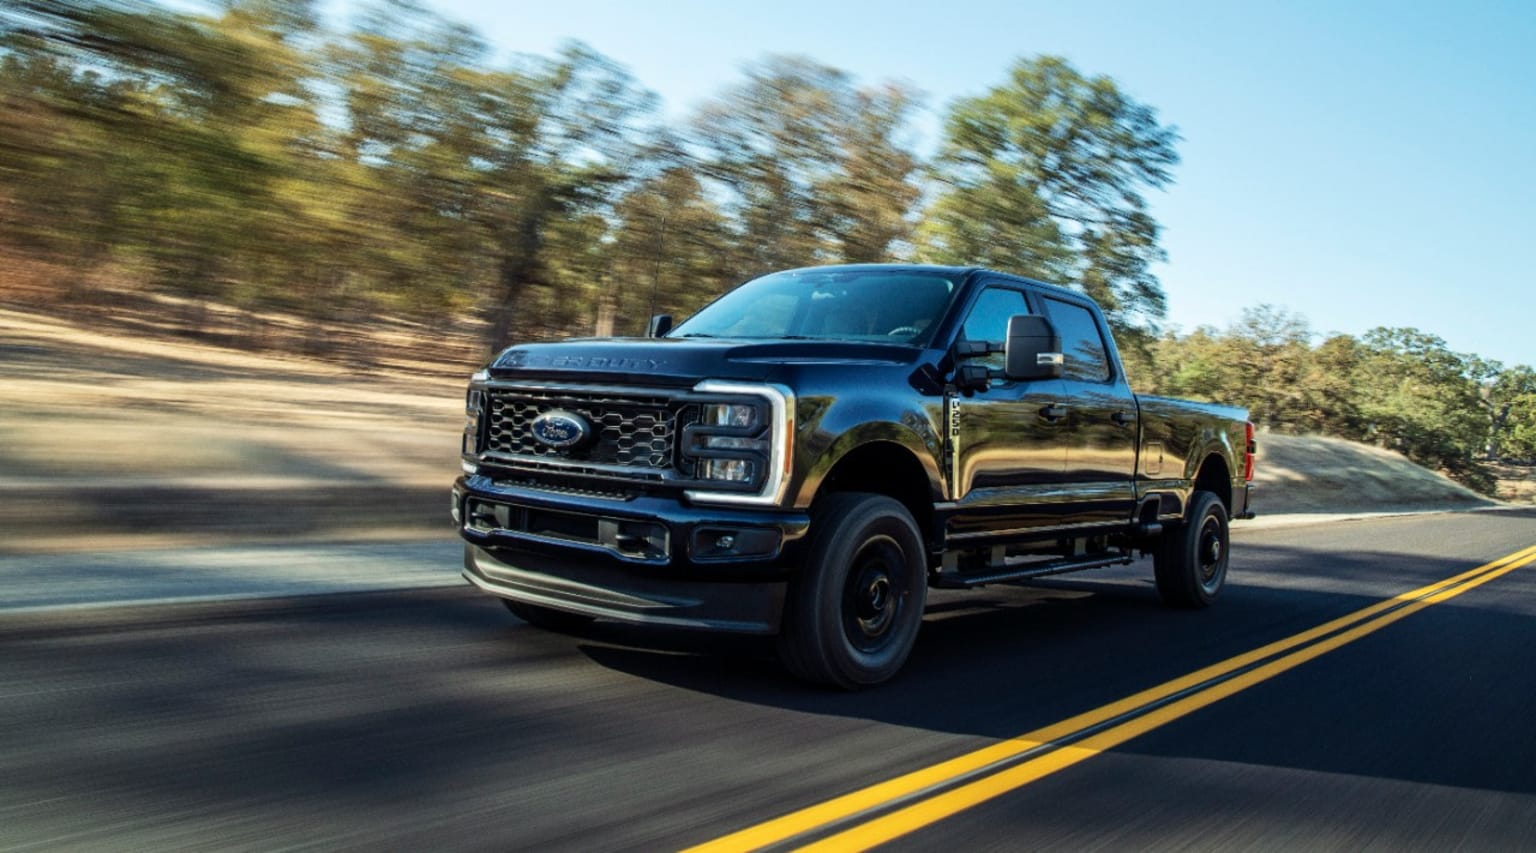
727	470
730	414
474	407
740	445
729	441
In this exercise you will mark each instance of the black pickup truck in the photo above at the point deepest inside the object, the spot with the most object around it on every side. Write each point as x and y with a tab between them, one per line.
812	451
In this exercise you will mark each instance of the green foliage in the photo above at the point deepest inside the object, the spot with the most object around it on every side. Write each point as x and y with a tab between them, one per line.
1401	389
1511	400
1419	397
1044	175
248	156
811	165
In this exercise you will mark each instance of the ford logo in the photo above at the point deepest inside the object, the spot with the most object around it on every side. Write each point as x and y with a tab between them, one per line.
560	429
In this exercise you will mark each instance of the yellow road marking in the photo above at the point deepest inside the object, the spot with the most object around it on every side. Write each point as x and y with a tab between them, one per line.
926	810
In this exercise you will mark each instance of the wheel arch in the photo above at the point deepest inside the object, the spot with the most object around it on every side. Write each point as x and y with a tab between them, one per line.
1213	476
882	466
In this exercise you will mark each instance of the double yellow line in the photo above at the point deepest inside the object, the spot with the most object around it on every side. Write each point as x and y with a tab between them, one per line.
891	809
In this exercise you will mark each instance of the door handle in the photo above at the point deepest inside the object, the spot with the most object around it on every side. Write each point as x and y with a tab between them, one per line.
1123	418
1054	412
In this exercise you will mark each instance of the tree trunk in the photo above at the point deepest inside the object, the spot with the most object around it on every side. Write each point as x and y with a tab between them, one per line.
518	268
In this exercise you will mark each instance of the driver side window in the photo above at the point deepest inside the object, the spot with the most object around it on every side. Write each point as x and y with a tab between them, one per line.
988	320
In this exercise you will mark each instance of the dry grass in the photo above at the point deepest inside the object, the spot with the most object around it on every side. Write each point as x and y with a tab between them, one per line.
116	435
1307	474
1517	483
107	436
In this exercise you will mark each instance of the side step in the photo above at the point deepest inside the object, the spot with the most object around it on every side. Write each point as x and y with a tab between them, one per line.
1028	571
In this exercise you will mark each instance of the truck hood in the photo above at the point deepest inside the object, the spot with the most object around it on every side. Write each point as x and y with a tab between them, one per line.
683	361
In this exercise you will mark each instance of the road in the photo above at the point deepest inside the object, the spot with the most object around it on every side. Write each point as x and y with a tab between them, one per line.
431	719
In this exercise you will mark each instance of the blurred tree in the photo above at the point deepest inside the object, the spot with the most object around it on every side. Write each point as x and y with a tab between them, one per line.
812	167
183	127
53	158
1197	366
864	206
1269	351
408	181
667	256
1044	175
567	142
1331	381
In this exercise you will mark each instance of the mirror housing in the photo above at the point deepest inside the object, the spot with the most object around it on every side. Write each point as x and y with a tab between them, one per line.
1032	350
660	325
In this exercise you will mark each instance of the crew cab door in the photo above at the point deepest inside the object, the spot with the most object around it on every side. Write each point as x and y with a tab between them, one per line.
1100	429
1007	457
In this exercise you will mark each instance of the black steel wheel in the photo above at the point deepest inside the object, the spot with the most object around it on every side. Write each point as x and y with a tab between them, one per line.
852	615
547	617
1191	560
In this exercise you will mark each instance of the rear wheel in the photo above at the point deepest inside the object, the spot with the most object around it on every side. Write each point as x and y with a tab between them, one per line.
1191	560
852	615
546	617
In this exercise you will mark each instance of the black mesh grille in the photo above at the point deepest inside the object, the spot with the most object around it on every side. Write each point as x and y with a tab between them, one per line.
631	432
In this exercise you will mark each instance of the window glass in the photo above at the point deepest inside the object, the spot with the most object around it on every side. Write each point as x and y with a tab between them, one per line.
988	320
1087	358
890	305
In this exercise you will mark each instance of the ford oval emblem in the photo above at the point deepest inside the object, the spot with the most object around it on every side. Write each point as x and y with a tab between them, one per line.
560	429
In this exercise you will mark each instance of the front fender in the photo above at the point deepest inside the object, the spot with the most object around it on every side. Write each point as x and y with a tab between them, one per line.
827	437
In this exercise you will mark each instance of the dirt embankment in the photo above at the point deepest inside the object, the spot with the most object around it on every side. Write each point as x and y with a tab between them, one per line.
1312	474
112	440
109	440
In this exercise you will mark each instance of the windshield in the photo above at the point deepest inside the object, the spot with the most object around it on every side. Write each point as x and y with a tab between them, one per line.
890	306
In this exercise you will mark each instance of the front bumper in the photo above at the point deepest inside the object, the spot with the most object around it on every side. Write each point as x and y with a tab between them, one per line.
648	559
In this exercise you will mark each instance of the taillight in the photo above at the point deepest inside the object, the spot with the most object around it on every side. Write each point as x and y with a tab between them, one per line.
1250	447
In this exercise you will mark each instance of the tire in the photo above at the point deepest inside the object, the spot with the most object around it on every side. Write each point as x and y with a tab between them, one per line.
1191	560
852	615
546	617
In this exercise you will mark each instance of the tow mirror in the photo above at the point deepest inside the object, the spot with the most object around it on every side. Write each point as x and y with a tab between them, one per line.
1032	349
660	325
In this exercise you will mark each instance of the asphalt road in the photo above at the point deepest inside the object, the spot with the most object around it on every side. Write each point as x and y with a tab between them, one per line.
431	719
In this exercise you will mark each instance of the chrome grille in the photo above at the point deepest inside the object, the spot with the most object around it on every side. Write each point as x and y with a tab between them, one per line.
631	432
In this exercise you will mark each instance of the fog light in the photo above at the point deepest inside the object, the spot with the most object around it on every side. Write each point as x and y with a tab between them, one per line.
727	470
725	543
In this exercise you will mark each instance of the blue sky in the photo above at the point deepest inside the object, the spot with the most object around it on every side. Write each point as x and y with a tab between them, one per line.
1361	163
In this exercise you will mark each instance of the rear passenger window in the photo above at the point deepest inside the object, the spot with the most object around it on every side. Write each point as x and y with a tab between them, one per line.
1087	357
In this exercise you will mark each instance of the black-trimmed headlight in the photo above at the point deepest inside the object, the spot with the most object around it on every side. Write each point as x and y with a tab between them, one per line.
739	450
730	442
474	413
732	414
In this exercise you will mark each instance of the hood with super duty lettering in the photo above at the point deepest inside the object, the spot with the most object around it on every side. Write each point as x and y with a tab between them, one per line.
684	361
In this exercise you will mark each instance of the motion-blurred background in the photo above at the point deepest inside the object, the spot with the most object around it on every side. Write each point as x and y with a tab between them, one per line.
247	255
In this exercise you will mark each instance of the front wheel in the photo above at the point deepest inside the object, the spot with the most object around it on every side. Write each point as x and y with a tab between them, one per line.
1191	560
853	613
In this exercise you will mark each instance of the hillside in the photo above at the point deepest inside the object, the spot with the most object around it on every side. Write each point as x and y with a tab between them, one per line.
110	439
1315	474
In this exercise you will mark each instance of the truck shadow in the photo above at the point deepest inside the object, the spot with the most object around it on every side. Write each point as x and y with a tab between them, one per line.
1010	660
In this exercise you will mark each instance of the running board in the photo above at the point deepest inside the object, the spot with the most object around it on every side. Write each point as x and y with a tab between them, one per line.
1027	572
